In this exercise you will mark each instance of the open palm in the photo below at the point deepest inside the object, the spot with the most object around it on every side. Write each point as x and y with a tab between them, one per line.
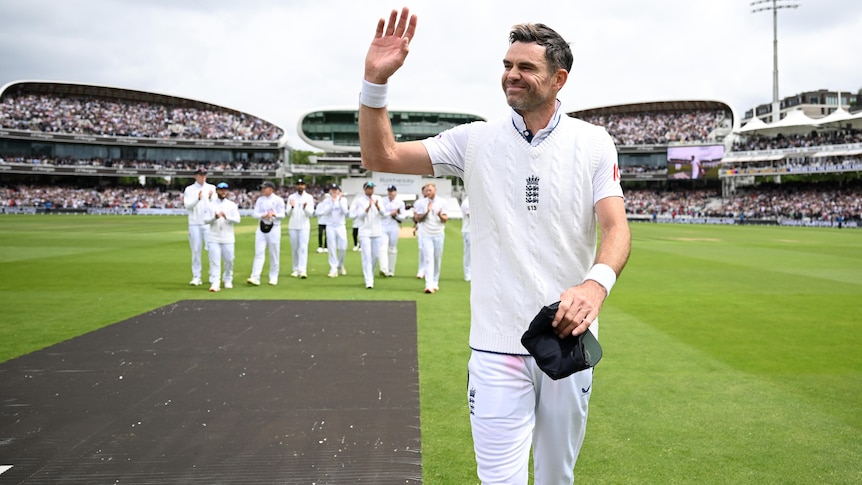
390	46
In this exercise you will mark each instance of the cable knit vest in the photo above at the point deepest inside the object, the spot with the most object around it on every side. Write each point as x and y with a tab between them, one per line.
533	224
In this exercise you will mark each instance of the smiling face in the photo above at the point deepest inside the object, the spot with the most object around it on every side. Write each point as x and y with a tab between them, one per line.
527	80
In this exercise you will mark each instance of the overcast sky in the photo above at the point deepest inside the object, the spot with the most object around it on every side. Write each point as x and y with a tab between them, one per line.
280	59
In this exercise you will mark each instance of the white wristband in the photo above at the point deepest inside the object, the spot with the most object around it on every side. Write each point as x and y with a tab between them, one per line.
373	95
603	275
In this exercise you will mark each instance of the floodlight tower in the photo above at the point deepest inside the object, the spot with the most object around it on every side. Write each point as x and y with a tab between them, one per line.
774	5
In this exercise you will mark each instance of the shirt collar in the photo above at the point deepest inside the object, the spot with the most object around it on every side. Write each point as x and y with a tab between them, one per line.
518	122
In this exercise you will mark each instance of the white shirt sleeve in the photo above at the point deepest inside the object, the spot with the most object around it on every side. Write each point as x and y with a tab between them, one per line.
233	215
448	150
606	180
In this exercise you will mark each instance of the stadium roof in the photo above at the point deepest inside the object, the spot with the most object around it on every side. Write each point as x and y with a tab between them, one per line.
752	126
337	129
799	123
839	118
652	106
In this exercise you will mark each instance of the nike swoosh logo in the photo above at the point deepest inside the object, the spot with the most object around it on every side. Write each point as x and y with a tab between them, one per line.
583	390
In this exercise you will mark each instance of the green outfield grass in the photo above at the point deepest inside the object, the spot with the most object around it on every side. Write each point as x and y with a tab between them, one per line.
732	354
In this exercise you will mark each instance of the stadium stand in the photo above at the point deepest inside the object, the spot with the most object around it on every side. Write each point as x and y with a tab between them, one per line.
790	203
89	114
644	132
787	204
67	146
66	129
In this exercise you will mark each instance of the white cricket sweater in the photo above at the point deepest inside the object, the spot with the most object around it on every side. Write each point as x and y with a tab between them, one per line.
366	218
300	215
533	222
195	204
221	229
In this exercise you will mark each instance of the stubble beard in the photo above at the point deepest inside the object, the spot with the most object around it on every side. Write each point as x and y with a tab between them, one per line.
522	102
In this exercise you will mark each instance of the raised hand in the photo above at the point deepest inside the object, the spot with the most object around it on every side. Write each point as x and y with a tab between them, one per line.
390	46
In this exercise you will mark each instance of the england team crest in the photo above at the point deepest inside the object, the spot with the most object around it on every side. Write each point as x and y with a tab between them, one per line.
532	197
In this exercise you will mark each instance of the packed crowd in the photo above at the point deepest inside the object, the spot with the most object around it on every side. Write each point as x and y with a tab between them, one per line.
96	116
797	166
661	127
791	202
649	202
794	203
813	139
251	164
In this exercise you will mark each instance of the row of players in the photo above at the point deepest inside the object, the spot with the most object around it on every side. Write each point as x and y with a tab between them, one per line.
212	217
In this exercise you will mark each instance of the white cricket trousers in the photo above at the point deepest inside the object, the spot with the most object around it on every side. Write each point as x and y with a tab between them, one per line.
389	249
336	246
271	240
221	252
513	406
197	241
420	270
466	236
299	249
369	248
432	252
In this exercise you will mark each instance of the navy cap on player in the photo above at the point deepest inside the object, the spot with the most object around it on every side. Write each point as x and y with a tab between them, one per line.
221	185
367	185
391	188
201	171
333	187
300	182
267	184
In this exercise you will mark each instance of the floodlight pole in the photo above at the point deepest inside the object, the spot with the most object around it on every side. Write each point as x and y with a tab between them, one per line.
774	5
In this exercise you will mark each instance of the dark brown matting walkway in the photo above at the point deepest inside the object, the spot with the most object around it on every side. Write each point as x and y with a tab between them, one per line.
299	392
